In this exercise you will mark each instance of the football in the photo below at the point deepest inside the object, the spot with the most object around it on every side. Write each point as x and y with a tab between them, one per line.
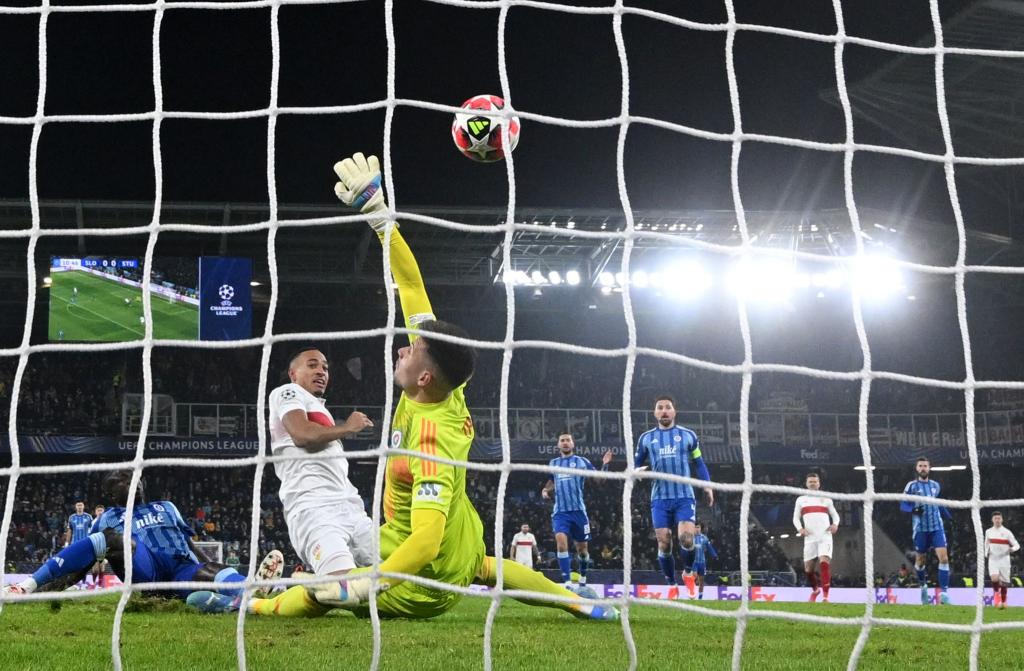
477	135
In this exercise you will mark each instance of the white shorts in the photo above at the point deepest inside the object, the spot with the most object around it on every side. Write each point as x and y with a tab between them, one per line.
1001	568
817	546
332	538
526	561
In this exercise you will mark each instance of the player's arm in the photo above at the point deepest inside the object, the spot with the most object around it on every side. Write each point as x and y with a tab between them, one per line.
910	506
549	487
702	471
198	552
1014	545
314	437
834	516
67	534
798	518
711	549
512	548
360	188
640	455
988	545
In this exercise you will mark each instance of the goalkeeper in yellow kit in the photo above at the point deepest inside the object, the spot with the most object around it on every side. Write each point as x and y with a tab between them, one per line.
431	528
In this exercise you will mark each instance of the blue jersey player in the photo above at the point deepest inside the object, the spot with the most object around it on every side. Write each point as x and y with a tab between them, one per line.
162	548
78	524
669	448
929	533
701	548
569	519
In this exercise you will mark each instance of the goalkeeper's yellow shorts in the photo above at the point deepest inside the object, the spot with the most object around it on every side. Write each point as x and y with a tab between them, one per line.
410	600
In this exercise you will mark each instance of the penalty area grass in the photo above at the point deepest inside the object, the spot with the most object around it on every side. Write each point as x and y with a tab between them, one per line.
166	635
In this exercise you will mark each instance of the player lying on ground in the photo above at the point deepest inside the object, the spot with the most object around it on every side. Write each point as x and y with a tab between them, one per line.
816	519
431	529
1000	543
569	517
162	547
668	448
929	532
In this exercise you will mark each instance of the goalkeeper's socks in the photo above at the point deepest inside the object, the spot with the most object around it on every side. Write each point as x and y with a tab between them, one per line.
944	576
922	575
668	566
584	560
826	577
72	559
293	602
565	566
229	574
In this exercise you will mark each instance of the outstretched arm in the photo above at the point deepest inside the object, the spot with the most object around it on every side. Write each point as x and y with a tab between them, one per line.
360	188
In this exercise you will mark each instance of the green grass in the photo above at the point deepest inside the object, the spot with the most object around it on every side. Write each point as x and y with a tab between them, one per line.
99	313
170	637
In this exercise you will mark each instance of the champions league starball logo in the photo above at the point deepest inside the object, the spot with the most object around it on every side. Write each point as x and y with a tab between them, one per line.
226	293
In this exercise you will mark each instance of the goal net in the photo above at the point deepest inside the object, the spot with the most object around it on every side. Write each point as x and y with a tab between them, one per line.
154	415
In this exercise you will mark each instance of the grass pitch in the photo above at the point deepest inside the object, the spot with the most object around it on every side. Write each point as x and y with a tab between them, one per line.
99	314
168	636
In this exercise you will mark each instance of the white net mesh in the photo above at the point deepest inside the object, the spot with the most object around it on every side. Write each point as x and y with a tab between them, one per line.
508	345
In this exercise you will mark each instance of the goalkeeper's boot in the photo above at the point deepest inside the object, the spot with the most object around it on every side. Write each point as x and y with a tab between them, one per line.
271	568
14	589
584	592
206	601
944	597
596	612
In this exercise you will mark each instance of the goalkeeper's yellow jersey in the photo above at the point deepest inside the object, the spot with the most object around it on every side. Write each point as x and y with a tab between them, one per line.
442	429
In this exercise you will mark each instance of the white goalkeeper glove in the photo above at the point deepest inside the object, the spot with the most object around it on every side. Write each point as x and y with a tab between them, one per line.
349	593
360	188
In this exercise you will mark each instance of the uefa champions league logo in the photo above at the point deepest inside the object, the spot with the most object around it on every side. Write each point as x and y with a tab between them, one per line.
226	292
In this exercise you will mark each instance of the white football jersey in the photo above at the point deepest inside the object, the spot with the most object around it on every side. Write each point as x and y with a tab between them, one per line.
814	513
999	543
308	483
524	544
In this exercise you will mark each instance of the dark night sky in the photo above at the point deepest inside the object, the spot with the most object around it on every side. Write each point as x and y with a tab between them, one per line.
559	64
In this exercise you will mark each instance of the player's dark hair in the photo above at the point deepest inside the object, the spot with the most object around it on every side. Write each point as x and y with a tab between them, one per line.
997	513
455	362
295	354
566	433
920	459
115	487
665	397
812	474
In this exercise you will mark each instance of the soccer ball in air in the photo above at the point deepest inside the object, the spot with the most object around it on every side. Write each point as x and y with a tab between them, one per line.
478	136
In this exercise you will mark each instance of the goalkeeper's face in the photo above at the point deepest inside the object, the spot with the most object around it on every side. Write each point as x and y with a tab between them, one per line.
414	368
309	370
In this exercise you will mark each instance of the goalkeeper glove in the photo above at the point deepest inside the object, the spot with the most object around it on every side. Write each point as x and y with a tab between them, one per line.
360	188
350	592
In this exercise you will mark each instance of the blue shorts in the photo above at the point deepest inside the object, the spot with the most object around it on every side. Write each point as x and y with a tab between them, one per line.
667	513
573	523
149	566
928	540
701	568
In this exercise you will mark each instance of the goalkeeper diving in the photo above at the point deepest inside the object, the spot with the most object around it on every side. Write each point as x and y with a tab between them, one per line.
431	530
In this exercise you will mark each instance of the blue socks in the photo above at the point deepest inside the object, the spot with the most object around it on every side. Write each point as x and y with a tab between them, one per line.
584	560
72	559
229	575
922	575
565	565
668	566
687	556
944	576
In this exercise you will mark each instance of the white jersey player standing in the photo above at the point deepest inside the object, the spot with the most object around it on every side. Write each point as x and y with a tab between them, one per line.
999	544
816	519
524	547
327	524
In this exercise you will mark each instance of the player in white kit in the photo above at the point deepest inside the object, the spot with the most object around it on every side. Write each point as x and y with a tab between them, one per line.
999	543
524	547
327	524
816	519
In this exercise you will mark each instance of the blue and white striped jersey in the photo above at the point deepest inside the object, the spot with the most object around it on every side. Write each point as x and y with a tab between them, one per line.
930	518
569	488
668	451
157	525
79	525
701	545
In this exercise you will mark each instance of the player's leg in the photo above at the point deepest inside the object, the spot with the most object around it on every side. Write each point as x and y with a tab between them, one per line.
663	534
581	536
996	585
561	525
75	559
1003	574
685	515
825	564
518	577
939	543
699	570
921	546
